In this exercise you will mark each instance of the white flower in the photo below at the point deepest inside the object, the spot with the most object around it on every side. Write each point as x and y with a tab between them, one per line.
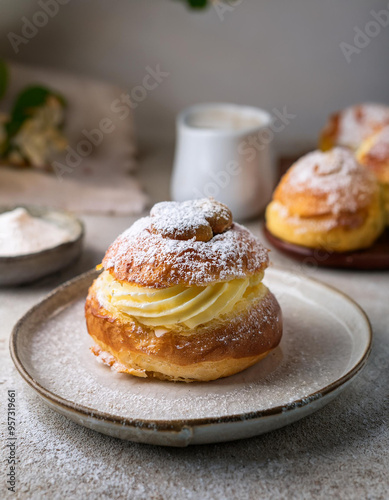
39	137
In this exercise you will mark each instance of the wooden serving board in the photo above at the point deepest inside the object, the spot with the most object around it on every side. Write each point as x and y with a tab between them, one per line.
374	258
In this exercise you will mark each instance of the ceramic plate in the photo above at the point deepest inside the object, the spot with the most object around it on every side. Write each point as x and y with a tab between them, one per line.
326	342
20	269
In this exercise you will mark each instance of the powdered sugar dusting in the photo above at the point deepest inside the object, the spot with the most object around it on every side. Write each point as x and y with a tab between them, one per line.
345	184
188	217
140	254
315	350
107	359
379	149
176	222
358	122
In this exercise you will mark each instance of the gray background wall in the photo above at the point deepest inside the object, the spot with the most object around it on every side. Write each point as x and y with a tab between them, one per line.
268	54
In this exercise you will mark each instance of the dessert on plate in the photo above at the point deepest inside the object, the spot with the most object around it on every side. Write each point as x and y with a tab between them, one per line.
349	127
181	296
327	200
374	154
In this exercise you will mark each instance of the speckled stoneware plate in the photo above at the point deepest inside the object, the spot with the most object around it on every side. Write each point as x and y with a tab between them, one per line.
20	269
326	342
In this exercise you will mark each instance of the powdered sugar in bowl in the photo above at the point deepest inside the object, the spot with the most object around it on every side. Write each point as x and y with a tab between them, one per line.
35	242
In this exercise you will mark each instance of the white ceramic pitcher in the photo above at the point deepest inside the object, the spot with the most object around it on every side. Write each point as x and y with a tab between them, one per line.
225	151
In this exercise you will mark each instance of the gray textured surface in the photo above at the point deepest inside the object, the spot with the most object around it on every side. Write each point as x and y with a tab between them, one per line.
339	452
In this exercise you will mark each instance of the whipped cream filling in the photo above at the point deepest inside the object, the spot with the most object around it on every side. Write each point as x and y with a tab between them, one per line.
179	305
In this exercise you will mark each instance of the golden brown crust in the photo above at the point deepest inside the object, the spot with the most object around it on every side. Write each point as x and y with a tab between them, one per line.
334	233
204	371
352	125
219	348
194	243
321	184
329	134
327	200
374	154
141	257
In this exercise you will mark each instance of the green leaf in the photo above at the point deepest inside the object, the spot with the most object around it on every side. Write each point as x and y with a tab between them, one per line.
3	78
26	103
198	4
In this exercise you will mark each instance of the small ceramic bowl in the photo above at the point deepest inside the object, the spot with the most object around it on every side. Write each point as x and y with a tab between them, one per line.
20	269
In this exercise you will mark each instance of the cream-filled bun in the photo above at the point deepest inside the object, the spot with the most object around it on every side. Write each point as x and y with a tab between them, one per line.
327	200
181	296
374	154
351	126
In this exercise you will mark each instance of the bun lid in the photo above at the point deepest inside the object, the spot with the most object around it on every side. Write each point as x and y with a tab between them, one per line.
324	183
352	125
190	243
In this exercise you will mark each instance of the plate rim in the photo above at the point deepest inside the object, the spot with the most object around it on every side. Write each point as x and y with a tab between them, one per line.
179	424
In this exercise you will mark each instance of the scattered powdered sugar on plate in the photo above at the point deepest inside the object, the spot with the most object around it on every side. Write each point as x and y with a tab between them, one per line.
316	349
